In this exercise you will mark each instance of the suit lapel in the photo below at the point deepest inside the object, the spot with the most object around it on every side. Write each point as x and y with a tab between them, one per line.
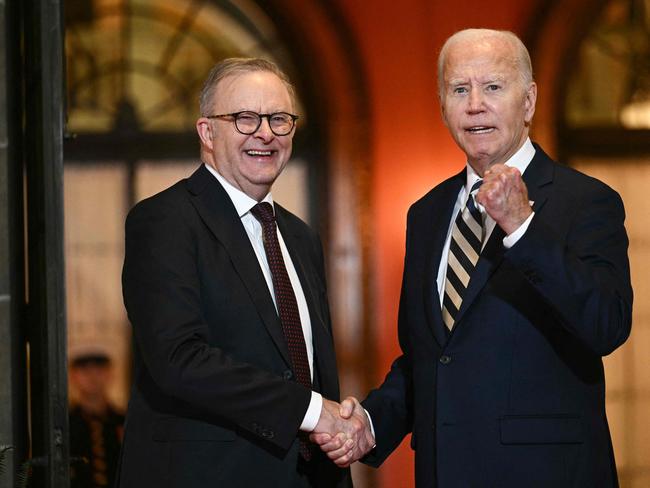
220	216
537	176
297	245
434	237
303	265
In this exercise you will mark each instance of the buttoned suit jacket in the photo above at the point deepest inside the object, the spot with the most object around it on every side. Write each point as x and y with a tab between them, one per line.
515	395
214	401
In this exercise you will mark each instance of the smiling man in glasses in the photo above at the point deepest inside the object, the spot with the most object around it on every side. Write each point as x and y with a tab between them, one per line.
234	359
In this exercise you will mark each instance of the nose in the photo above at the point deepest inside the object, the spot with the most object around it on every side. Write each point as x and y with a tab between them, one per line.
264	131
475	101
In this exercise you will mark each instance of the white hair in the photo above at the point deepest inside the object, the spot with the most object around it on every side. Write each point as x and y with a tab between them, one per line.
521	59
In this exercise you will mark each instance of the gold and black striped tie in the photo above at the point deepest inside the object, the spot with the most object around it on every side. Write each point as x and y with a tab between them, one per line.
465	247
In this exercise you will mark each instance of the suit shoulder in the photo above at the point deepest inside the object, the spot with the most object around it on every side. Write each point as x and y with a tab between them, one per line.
424	203
578	182
170	199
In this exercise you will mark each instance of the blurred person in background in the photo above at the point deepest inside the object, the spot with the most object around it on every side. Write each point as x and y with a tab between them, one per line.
96	426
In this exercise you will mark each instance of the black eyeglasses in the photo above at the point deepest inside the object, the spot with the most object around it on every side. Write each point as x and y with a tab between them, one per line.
248	123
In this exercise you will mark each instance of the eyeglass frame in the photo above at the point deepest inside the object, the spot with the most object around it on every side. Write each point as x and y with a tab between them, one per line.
234	116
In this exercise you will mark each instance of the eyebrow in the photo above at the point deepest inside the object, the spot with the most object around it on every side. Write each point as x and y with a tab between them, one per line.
493	78
485	80
458	82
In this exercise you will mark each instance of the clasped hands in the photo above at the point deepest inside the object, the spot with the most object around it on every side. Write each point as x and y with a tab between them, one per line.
343	431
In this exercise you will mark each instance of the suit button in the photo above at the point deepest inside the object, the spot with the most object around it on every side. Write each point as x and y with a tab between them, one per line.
268	434
444	359
288	374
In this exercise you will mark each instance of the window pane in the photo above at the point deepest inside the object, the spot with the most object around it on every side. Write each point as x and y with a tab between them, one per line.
95	201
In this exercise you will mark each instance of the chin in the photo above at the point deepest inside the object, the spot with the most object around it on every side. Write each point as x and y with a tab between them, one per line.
267	180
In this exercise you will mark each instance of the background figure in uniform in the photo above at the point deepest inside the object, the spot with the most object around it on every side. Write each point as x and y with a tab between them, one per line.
96	427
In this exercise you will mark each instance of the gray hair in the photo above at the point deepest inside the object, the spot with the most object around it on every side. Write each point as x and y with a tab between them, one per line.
521	60
236	66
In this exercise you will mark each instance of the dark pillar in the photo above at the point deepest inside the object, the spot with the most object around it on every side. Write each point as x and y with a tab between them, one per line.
13	393
43	156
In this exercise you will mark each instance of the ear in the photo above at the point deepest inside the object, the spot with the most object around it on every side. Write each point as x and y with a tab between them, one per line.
443	112
204	129
529	102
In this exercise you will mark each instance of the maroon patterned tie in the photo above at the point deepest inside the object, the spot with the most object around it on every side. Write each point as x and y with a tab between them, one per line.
286	302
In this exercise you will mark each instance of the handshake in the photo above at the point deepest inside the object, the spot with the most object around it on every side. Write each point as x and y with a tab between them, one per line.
343	431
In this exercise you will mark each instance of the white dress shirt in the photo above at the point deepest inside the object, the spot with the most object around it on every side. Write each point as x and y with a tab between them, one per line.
243	204
520	160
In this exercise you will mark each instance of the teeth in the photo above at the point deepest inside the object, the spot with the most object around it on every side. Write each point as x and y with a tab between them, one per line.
253	152
479	129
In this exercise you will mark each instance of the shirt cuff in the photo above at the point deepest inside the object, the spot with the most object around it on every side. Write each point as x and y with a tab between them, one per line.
312	416
512	239
372	427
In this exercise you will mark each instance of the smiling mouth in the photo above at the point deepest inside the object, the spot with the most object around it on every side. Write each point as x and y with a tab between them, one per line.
256	152
479	129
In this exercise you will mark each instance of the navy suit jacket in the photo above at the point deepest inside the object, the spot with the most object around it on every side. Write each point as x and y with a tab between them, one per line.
515	395
214	401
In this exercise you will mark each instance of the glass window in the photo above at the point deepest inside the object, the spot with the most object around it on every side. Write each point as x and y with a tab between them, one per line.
610	84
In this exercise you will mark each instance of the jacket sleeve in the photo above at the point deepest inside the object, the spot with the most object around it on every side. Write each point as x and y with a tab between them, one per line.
161	287
584	277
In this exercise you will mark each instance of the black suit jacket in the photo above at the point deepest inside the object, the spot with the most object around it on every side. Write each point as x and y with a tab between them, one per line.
515	395
214	401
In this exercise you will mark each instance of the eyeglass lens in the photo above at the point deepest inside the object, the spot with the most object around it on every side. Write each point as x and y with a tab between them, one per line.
248	122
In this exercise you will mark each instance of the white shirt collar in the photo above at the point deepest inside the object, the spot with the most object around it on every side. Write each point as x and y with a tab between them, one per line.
242	202
520	160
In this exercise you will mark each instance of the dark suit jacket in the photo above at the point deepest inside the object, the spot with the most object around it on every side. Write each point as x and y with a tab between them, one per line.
214	401
515	396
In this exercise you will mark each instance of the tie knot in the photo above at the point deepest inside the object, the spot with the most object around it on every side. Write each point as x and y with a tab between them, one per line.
471	202
263	212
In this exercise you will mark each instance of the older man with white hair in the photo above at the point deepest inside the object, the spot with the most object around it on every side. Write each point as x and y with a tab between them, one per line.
516	283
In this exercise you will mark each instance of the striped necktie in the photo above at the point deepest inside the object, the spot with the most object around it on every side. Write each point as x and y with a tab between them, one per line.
464	249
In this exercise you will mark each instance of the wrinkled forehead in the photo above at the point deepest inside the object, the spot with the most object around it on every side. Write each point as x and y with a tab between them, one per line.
253	86
487	57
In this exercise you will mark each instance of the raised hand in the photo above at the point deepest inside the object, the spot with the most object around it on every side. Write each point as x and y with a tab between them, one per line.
505	197
343	432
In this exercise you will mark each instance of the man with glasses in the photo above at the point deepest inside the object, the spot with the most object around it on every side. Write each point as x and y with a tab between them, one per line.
234	358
